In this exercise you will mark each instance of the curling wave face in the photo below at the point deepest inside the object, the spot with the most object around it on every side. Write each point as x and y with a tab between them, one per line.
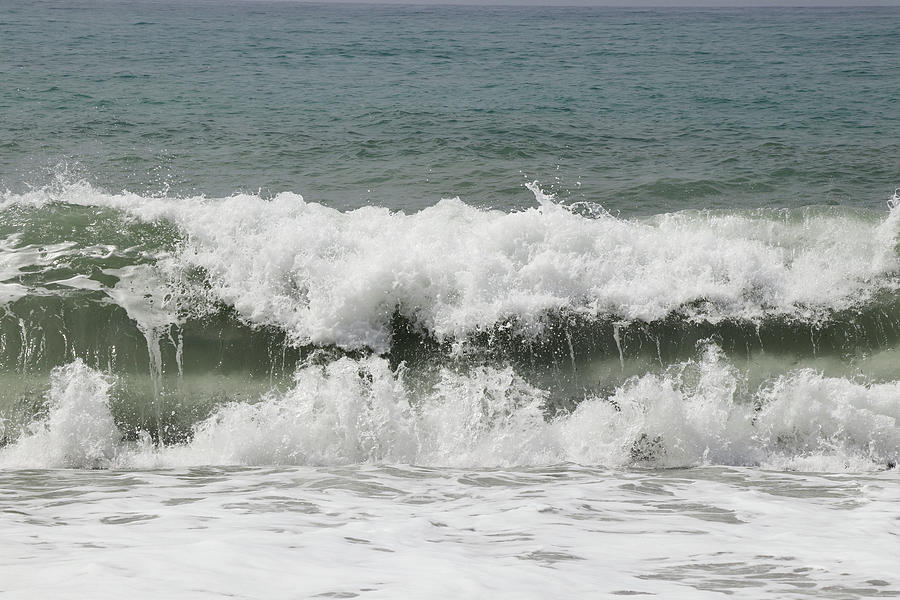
331	277
245	330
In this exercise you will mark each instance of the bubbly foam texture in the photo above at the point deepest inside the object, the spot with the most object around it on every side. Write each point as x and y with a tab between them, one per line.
79	430
331	277
144	296
359	411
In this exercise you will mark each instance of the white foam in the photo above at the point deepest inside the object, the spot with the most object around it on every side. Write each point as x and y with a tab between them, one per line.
331	277
10	292
144	295
79	430
359	411
697	413
409	532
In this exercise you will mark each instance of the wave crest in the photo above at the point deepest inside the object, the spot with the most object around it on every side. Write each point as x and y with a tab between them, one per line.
328	277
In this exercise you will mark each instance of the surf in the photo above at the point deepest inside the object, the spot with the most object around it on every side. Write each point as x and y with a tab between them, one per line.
450	335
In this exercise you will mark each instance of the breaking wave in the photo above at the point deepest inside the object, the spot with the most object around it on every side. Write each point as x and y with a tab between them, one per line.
244	330
357	411
327	277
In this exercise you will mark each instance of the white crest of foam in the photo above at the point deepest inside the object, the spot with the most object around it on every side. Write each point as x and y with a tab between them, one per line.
690	415
806	417
346	412
487	414
358	411
331	277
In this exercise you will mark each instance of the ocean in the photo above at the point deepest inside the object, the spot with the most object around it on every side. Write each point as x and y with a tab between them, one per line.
394	301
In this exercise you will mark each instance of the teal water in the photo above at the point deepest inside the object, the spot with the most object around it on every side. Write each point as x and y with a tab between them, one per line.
642	111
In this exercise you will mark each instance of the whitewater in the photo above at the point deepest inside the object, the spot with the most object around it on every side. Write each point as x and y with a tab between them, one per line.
405	392
451	383
453	336
327	300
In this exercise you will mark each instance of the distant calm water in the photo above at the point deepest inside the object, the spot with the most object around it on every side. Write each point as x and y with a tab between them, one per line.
640	110
303	300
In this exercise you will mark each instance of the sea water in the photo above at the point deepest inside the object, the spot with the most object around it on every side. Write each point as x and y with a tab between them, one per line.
308	300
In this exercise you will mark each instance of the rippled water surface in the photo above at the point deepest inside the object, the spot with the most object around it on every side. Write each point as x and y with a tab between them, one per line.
643	111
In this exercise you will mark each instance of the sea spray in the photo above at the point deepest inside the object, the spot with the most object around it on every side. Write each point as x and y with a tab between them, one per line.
351	411
79	431
699	412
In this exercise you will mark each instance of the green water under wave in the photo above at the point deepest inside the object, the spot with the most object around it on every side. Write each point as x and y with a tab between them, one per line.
170	378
